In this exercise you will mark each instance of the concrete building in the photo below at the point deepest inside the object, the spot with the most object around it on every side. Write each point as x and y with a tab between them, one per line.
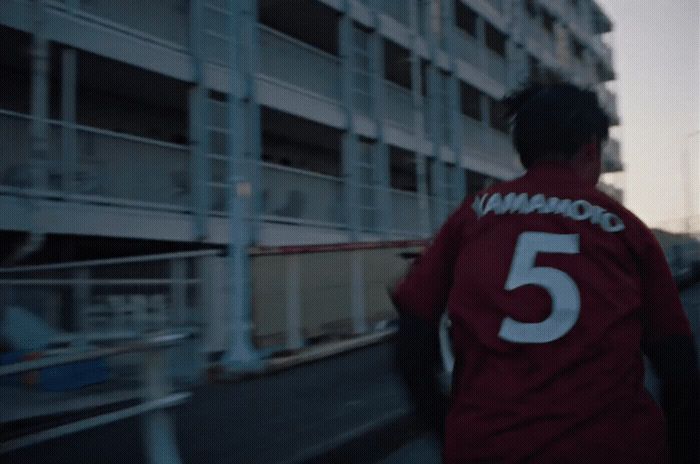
123	124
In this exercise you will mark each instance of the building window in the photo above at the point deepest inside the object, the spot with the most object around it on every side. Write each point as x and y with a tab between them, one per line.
495	40
402	169
466	18
499	119
397	64
470	101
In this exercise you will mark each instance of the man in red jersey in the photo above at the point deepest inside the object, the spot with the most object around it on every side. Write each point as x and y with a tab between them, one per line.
554	291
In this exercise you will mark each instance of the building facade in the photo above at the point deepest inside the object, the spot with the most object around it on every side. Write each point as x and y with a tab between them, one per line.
131	126
350	120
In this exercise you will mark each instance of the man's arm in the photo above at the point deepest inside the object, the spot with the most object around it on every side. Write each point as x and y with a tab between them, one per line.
674	359
669	344
420	297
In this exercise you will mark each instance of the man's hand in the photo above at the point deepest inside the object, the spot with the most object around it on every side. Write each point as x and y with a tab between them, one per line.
675	362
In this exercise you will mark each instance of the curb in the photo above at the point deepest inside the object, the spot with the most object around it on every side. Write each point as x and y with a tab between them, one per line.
219	373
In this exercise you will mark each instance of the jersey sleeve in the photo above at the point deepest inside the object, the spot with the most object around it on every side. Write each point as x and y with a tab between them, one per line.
662	311
424	290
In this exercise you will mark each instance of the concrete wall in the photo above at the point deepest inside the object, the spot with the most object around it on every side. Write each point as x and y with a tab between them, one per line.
324	291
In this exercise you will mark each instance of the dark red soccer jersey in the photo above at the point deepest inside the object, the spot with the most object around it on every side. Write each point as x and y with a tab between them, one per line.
552	288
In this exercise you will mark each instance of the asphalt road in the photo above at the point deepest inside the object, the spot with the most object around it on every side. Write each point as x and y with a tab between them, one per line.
348	409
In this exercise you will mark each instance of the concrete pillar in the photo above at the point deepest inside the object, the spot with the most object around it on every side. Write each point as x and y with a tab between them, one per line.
418	104
40	98
381	150
350	173
434	100
198	120
242	355
458	182
294	338
252	51
349	137
69	154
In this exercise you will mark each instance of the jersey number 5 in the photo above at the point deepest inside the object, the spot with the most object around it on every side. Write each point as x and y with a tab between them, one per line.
566	299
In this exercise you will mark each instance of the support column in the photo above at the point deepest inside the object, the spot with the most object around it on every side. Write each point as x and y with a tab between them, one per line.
69	155
198	120
294	337
254	167
40	99
350	175
349	137
435	128
420	124
381	150
242	355
458	179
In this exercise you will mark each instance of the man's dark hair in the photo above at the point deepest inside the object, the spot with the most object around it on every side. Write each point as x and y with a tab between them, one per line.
552	121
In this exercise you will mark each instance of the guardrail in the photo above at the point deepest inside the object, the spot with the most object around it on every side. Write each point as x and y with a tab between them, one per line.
152	398
133	296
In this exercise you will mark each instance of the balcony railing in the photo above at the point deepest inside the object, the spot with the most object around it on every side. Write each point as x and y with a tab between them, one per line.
399	106
166	20
496	66
473	136
467	47
405	208
289	60
397	10
544	40
301	196
497	5
117	167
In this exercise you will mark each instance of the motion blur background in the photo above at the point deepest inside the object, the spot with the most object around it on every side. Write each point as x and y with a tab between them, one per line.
203	201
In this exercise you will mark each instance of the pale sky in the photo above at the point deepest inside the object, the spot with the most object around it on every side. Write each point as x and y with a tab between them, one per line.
656	53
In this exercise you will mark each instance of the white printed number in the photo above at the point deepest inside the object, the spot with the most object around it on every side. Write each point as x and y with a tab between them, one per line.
566	300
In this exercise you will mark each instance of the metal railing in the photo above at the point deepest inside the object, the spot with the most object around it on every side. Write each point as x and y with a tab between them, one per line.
115	167
496	66
473	135
397	10
467	47
166	22
301	196
405	208
153	397
132	295
294	62
497	5
399	103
